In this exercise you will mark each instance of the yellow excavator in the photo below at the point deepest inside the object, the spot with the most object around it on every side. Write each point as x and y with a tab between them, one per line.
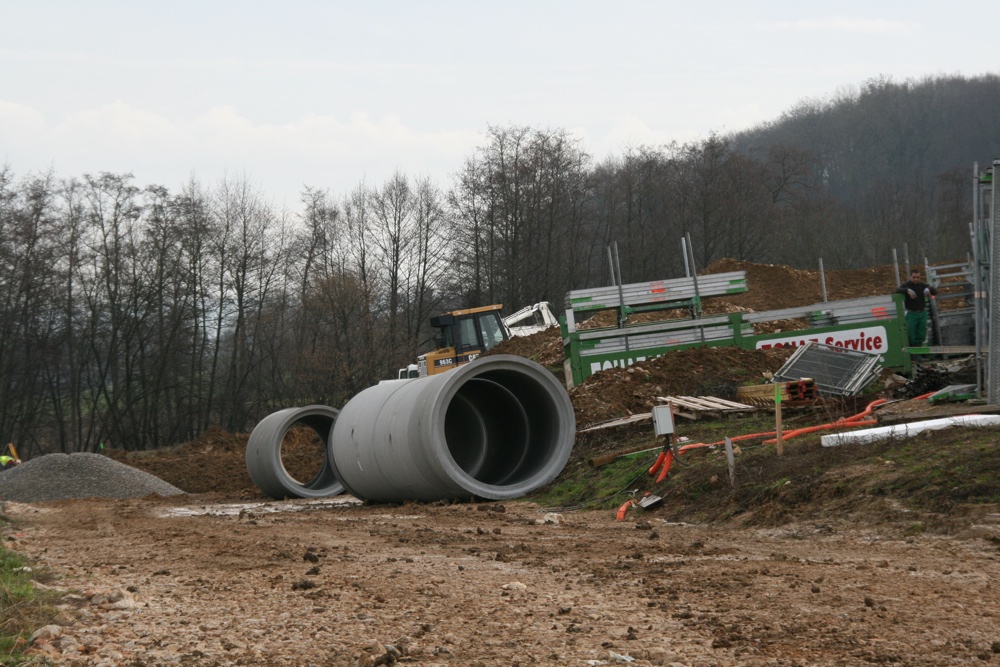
462	335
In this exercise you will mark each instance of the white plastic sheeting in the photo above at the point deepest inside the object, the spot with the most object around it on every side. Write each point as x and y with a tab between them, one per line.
906	430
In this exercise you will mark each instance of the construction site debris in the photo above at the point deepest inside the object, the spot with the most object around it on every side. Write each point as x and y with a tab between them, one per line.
953	392
834	370
926	379
794	392
698	371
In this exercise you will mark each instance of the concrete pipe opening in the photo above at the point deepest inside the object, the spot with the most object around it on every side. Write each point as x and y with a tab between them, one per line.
264	454
497	428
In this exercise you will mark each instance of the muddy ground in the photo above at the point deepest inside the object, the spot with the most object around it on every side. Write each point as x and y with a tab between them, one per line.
224	576
203	581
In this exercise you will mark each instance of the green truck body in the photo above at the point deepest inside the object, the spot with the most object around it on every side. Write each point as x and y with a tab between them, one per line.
875	325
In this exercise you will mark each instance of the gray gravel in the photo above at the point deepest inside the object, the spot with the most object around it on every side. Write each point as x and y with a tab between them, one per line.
80	475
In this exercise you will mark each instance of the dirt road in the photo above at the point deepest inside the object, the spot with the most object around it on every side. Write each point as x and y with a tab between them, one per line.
196	580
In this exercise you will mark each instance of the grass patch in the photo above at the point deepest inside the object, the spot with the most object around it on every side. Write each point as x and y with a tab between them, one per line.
23	607
603	488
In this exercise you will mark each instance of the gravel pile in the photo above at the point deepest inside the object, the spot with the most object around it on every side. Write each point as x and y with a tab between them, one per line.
81	475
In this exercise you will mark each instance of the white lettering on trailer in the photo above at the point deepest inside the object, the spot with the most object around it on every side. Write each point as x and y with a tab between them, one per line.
613	363
864	339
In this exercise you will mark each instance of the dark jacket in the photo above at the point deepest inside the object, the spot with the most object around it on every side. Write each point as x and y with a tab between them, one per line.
918	302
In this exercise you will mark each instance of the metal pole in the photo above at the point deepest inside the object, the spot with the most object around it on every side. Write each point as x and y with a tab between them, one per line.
895	265
618	263
694	276
906	259
822	279
611	267
684	251
977	289
985	249
993	377
621	295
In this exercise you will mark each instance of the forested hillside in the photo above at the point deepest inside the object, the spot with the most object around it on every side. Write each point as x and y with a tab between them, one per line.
139	316
896	158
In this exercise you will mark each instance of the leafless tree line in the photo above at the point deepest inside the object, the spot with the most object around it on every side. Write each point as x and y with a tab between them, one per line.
139	317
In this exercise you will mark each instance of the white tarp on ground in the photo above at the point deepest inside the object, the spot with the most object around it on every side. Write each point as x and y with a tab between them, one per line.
906	430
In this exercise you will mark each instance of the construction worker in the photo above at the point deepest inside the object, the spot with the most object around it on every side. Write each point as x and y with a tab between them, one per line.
7	462
916	296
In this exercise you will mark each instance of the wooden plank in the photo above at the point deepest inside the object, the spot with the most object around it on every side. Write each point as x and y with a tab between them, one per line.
706	403
624	421
725	404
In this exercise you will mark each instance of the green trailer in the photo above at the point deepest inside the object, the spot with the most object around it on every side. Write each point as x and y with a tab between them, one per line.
875	325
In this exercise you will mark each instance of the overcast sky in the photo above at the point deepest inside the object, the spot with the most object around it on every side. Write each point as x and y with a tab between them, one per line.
327	94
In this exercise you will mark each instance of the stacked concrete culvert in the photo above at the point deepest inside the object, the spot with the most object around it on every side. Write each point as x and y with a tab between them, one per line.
81	475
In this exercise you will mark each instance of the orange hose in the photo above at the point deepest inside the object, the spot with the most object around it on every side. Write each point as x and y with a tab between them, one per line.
868	410
822	427
699	445
854	420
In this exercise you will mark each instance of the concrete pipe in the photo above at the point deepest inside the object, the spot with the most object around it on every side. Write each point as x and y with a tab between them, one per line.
497	428
264	454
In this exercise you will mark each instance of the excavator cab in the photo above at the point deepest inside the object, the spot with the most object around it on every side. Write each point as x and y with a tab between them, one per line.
462	335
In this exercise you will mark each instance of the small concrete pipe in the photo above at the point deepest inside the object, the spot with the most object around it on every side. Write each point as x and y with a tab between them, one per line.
499	427
263	455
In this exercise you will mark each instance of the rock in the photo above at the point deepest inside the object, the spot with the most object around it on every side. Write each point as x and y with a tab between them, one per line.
45	634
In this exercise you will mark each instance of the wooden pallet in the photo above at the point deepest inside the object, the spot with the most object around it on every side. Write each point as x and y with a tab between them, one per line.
702	407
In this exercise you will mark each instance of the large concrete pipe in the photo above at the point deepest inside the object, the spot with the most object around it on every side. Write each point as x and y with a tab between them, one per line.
264	454
499	427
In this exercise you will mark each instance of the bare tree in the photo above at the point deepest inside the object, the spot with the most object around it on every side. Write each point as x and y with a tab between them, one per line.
250	248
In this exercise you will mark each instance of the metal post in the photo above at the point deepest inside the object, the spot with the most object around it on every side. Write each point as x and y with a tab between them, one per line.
895	265
684	251
694	273
906	259
985	250
977	289
993	377
694	276
822	279
611	267
621	294
618	264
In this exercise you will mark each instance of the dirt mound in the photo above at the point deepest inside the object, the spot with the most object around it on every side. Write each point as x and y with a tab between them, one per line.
775	286
544	347
216	461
